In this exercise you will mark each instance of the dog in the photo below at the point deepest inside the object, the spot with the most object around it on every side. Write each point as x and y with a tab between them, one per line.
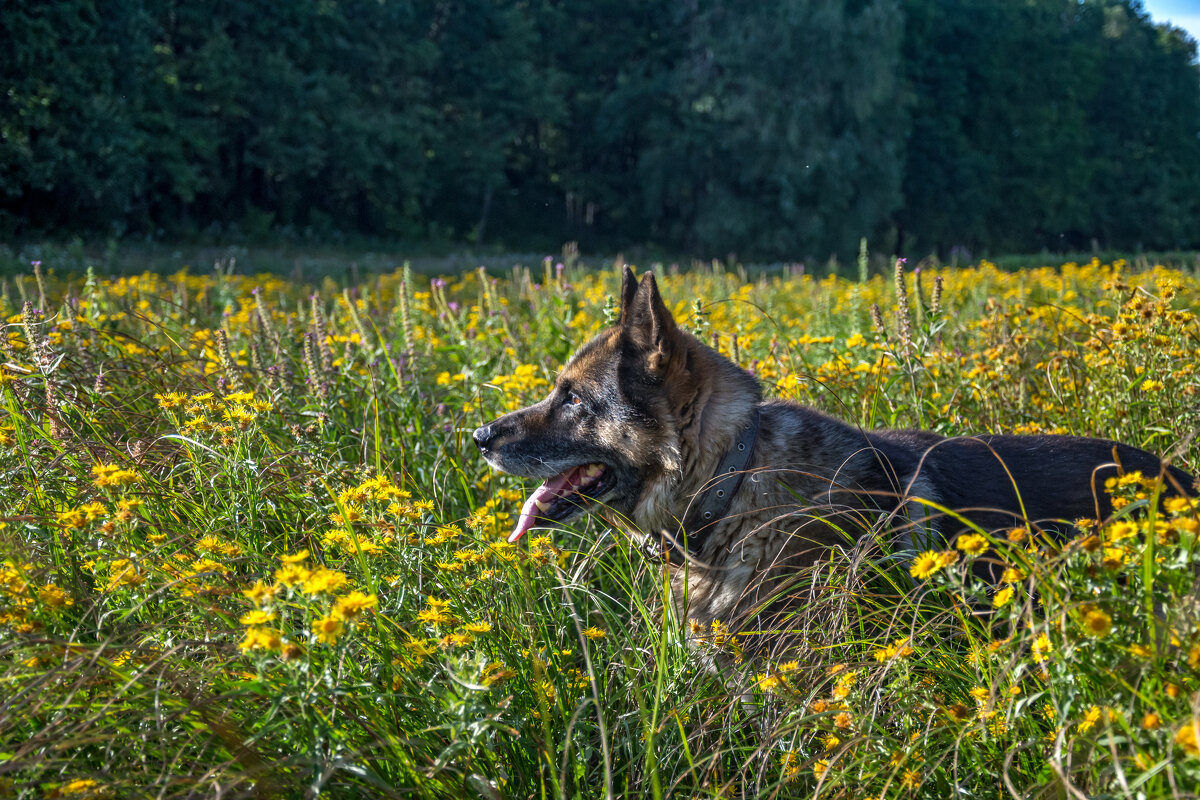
672	442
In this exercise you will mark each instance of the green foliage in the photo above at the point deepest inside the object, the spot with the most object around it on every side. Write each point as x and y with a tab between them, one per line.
775	131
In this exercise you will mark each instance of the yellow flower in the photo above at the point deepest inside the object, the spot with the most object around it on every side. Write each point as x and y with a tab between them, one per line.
261	638
477	627
328	629
897	649
1186	737
1178	505
416	651
594	633
1095	621
259	592
291	575
110	475
257	617
1122	530
1090	718
769	683
925	565
1042	648
1114	557
972	544
820	768
295	558
354	604
437	613
1151	721
1013	575
1003	597
324	580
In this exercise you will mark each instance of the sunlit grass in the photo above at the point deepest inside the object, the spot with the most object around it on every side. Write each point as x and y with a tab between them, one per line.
248	547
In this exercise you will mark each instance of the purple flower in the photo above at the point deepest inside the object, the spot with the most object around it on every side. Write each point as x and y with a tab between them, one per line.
453	306
438	283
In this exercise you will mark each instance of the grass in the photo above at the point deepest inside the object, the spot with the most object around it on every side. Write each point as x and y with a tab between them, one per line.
248	548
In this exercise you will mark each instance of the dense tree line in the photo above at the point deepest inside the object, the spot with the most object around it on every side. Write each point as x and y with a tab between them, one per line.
713	126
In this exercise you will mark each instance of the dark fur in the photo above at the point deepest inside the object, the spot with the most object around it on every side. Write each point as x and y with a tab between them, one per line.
660	409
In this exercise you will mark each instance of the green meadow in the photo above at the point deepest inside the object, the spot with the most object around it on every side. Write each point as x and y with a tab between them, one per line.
248	548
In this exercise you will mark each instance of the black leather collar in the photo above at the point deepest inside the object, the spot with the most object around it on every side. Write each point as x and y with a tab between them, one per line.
712	503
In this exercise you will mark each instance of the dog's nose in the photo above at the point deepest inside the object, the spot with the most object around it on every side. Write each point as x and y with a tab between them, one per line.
483	437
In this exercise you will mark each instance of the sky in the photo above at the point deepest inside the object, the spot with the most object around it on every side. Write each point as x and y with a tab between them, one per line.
1180	13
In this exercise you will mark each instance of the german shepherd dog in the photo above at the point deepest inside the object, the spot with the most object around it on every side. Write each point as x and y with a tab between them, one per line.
672	442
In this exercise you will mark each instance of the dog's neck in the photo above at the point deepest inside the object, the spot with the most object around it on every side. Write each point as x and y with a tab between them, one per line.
712	401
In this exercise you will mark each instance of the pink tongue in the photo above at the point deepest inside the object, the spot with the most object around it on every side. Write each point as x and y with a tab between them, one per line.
550	490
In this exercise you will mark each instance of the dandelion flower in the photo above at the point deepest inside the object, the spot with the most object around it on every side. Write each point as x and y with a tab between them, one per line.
1003	597
594	633
1151	721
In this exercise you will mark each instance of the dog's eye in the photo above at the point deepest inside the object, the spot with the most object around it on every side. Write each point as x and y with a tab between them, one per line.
574	399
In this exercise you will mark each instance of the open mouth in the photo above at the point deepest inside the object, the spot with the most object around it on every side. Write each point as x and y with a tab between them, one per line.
564	496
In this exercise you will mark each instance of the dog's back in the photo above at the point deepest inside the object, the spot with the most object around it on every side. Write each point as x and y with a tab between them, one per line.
1000	481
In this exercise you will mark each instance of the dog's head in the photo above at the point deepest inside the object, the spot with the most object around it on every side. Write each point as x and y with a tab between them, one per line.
606	434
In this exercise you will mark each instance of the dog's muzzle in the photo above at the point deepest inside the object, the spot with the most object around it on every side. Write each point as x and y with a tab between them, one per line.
484	437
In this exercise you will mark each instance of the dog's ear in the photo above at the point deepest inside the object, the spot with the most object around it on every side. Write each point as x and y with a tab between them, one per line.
629	287
646	321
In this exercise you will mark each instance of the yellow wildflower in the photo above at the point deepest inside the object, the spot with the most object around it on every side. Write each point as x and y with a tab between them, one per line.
926	564
1186	737
1095	621
354	604
257	617
972	544
295	558
1042	648
322	580
328	629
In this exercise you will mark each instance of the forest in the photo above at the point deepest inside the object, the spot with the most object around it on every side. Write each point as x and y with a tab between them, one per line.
707	127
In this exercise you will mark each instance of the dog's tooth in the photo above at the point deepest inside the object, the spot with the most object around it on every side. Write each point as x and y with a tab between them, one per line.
540	505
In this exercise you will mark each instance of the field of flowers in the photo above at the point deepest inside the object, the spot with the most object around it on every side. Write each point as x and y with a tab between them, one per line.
248	548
